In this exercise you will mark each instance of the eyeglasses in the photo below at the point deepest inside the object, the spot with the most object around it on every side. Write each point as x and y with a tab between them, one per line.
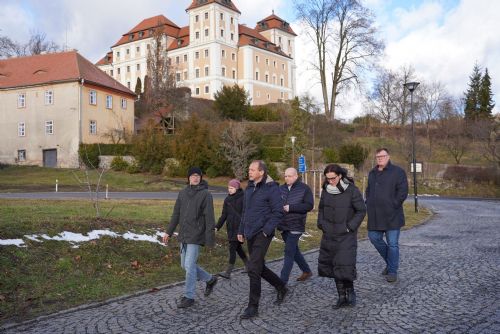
381	156
332	178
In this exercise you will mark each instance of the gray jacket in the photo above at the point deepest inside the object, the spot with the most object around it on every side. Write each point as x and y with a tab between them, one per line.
194	213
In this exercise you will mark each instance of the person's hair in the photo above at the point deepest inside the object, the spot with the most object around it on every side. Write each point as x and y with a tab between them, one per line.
382	149
262	166
334	168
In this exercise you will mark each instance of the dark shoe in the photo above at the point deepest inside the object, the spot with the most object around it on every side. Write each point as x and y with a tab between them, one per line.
391	278
305	276
350	295
281	295
185	302
227	274
341	302
210	285
250	312
385	272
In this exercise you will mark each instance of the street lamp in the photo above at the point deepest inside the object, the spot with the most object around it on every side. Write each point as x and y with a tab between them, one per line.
293	138
411	86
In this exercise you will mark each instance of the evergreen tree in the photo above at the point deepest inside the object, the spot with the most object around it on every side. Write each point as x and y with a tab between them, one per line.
472	96
232	102
299	120
138	86
486	103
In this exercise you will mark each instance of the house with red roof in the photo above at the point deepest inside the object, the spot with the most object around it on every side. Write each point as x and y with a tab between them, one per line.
214	50
51	103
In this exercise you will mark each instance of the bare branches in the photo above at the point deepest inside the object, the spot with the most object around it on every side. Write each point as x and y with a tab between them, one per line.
37	44
237	147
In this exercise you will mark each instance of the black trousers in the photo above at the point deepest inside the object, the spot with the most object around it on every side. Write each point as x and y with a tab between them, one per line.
235	247
347	284
257	249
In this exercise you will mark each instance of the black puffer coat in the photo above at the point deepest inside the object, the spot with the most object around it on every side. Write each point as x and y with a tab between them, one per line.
194	213
231	214
338	214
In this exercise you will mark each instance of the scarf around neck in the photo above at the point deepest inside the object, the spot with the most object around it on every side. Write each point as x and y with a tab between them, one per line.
339	188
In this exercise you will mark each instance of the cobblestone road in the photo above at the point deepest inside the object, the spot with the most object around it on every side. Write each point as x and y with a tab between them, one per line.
448	283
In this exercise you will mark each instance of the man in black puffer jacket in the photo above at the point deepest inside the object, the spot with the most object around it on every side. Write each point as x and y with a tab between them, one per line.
262	212
194	214
298	201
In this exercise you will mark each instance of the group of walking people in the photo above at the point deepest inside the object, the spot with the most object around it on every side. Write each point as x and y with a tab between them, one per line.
253	215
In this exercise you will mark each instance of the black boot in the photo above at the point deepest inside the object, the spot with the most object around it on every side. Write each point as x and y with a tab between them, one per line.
350	296
227	273
341	302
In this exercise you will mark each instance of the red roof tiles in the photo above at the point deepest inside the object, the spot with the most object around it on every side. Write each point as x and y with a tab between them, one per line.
252	37
54	68
142	30
274	22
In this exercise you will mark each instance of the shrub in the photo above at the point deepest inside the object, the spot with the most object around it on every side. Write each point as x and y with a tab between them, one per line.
353	154
150	148
272	170
274	154
330	155
475	174
119	164
262	113
89	153
133	168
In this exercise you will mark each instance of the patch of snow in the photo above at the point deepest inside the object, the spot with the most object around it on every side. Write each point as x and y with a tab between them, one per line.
12	242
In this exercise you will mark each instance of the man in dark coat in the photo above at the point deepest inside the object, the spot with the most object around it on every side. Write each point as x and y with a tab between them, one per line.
262	212
194	214
298	201
386	191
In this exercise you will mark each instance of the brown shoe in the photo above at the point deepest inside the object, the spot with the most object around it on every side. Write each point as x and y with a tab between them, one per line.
304	276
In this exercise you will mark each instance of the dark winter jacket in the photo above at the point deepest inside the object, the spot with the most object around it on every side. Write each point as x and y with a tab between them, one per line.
194	213
262	208
231	214
300	200
339	217
385	194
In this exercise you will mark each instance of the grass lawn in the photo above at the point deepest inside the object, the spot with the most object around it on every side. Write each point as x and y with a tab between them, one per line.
33	179
48	276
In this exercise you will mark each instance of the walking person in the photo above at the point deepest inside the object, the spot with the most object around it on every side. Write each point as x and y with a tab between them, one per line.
231	215
341	212
298	201
385	194
262	212
194	214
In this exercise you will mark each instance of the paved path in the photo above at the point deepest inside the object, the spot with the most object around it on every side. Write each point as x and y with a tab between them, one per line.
449	283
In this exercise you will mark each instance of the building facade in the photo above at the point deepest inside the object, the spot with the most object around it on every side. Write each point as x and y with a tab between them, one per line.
51	103
212	51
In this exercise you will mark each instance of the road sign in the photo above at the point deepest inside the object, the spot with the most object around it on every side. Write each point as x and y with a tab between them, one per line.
302	164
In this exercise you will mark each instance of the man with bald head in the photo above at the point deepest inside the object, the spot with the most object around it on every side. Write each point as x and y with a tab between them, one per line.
298	200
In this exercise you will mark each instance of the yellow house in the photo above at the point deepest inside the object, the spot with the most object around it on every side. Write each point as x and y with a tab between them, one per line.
51	103
214	50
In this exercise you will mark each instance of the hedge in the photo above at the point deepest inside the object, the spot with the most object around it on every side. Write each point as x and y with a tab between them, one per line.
89	153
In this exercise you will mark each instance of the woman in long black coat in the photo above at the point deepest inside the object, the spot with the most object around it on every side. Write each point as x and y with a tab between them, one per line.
231	215
341	211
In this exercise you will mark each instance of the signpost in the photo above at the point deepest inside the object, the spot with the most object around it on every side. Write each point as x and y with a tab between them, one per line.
302	164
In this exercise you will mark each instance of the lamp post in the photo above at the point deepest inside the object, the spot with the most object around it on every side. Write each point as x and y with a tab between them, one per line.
411	86
293	138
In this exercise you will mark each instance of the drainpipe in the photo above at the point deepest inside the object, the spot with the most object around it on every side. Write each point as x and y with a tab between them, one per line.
82	81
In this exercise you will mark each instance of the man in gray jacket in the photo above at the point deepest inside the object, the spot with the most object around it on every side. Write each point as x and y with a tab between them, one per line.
194	213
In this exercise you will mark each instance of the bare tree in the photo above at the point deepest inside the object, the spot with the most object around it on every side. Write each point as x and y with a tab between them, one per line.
401	95
344	35
452	130
162	96
37	44
431	99
382	98
487	133
237	147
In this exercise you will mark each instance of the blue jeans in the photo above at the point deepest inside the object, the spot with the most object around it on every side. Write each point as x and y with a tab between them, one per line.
292	253
189	256
388	250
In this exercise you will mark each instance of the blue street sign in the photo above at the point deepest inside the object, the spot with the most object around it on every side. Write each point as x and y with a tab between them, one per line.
302	164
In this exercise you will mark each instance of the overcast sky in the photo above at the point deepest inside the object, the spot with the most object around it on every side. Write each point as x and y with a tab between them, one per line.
440	39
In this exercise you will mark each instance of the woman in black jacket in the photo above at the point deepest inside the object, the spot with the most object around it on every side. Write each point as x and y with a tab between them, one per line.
231	214
341	211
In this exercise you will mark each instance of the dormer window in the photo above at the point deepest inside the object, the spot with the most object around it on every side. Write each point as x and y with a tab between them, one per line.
179	42
131	37
141	33
255	41
150	32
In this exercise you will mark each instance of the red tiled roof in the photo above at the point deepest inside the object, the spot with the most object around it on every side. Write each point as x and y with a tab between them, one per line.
54	68
274	22
182	36
106	60
249	36
170	29
226	3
